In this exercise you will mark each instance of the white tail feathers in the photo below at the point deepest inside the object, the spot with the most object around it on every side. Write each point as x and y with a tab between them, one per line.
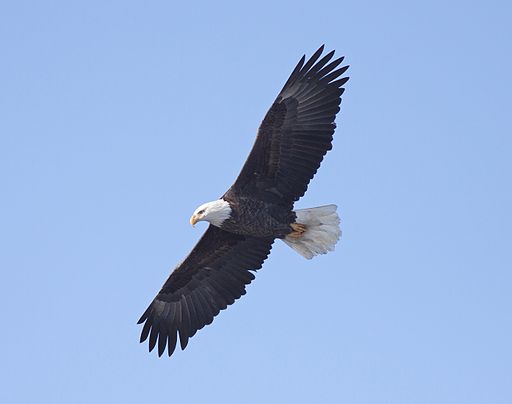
322	231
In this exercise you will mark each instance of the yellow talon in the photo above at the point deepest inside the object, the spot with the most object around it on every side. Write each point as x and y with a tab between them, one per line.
298	230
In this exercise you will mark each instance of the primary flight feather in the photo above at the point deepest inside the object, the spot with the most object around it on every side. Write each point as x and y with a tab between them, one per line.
292	140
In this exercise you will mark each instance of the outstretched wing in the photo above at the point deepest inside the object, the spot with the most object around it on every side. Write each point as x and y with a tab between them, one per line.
211	278
295	134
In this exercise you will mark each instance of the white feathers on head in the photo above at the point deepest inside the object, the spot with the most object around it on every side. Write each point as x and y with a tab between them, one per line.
214	212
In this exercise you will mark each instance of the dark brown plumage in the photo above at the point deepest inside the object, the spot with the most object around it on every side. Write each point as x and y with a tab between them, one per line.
211	278
295	134
293	138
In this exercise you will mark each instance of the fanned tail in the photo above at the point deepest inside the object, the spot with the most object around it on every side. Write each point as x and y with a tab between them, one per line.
322	231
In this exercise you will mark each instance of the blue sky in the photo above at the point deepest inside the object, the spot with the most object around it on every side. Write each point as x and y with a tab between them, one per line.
119	118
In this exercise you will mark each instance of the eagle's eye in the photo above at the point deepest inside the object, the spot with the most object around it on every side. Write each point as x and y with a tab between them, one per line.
200	212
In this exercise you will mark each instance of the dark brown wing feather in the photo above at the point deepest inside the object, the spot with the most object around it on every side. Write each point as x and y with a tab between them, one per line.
295	134
211	278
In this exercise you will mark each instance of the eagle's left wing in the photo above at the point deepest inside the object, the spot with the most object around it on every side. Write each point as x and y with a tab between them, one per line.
212	277
295	134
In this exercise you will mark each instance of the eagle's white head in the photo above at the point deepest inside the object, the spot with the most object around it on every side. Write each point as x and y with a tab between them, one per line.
214	212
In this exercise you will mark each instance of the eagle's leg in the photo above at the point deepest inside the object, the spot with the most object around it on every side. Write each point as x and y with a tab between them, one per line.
298	230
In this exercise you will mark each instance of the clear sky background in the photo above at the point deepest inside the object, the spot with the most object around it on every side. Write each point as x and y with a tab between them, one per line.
118	118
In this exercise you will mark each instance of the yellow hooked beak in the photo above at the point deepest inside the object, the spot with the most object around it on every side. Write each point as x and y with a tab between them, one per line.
193	220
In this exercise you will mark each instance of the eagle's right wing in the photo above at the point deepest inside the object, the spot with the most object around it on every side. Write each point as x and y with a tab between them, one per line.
212	277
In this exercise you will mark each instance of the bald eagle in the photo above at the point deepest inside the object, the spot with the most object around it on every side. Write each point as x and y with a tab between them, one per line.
292	140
